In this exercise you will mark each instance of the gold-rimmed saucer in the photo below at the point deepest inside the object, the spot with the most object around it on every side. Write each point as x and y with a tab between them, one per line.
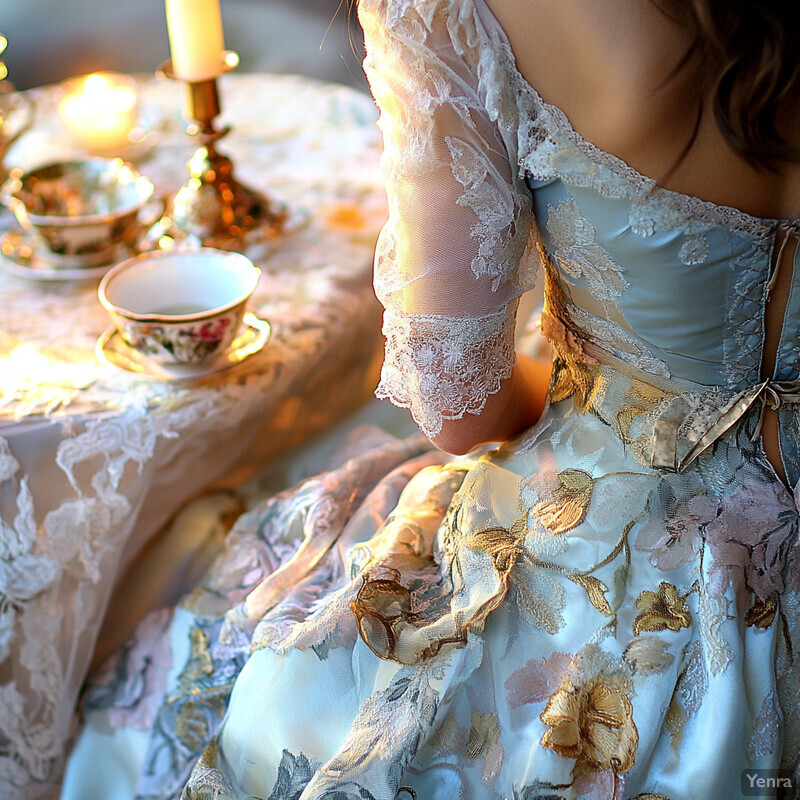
253	336
20	256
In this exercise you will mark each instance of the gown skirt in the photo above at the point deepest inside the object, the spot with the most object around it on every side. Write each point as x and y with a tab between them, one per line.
544	619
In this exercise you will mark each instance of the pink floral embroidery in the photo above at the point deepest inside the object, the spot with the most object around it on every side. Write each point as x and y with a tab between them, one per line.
537	679
601	785
751	540
677	540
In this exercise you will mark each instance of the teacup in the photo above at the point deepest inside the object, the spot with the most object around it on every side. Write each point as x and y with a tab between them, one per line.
80	212
179	306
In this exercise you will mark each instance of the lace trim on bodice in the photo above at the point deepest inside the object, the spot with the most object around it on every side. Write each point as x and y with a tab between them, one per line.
444	367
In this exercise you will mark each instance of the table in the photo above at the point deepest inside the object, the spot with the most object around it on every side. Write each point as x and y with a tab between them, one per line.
94	461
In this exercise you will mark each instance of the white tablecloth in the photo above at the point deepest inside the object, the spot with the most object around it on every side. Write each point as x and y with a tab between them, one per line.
94	461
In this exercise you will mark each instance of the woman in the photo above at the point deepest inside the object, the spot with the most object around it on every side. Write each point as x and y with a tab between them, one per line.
605	605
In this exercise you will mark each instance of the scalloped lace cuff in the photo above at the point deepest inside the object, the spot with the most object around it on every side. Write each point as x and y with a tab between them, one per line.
443	367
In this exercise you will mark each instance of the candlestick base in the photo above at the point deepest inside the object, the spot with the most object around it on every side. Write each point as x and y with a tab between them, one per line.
212	208
215	210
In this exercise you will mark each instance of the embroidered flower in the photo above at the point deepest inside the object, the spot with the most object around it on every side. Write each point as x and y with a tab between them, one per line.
579	255
678	539
751	540
694	251
426	356
593	723
564	499
452	354
662	610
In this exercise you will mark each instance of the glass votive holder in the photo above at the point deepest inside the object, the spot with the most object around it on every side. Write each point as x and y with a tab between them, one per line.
100	111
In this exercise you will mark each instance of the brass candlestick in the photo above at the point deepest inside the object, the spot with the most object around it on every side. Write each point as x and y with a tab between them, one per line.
212	207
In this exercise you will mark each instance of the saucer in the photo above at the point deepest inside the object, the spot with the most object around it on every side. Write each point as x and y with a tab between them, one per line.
253	335
20	256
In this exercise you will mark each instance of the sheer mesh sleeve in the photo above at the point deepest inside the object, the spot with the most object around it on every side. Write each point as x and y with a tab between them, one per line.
449	265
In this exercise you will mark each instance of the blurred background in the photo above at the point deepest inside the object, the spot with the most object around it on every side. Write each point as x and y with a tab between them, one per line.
49	40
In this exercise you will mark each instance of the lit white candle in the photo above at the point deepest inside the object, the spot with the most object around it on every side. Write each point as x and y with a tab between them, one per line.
100	111
195	38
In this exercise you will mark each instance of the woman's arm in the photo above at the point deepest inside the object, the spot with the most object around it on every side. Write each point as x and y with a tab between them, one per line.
518	405
454	257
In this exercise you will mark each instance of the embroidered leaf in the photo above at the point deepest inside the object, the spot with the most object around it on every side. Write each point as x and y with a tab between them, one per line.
191	727
6	631
493	763
398	687
762	612
294	773
537	679
661	610
28	575
541	598
603	784
648	655
501	544
596	590
8	464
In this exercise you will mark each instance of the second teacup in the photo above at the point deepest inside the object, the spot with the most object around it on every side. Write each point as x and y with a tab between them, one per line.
179	306
80	212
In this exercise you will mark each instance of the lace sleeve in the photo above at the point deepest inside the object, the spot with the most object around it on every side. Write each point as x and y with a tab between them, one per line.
451	261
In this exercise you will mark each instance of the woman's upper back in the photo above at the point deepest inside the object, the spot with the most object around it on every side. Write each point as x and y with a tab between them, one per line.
607	65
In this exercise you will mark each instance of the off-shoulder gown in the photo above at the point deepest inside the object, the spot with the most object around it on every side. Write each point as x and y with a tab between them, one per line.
606	606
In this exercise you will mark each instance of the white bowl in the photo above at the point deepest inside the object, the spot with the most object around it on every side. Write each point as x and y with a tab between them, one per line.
179	306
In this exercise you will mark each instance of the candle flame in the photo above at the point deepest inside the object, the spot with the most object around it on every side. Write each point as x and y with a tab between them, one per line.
95	84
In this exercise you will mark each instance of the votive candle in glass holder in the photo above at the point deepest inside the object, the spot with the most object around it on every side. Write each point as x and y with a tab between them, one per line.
99	111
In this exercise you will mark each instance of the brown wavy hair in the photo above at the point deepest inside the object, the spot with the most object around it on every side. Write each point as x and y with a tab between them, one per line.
748	53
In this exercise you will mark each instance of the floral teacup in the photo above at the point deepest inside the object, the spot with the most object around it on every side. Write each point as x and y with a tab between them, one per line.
80	212
179	306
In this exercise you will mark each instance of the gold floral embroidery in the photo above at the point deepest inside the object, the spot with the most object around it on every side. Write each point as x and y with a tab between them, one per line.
596	590
502	544
191	726
648	655
201	663
642	398
564	507
762	612
571	376
661	610
592	723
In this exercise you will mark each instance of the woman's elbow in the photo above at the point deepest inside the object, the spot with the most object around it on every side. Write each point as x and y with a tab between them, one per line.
456	439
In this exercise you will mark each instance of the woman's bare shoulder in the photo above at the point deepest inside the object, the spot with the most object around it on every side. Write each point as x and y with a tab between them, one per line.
607	65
